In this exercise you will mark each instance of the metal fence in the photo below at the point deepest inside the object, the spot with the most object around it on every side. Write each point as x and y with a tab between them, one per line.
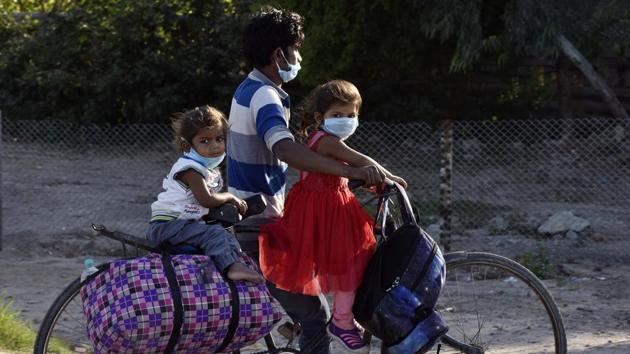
59	177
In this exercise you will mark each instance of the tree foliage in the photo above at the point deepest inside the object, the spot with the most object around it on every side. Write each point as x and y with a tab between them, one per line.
516	28
117	61
378	46
139	61
412	59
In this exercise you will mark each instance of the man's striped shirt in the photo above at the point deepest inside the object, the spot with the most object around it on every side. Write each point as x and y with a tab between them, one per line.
259	118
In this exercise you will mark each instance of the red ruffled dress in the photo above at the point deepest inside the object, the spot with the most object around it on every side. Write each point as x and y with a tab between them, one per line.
324	240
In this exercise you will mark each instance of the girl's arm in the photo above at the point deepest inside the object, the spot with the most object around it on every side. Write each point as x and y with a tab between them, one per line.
198	187
337	149
302	158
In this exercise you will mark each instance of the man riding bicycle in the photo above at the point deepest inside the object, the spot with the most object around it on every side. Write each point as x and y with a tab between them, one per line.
260	145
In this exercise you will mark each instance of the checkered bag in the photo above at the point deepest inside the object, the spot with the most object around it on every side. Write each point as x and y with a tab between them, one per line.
164	304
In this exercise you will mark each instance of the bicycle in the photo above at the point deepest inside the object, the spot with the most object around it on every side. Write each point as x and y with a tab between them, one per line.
489	302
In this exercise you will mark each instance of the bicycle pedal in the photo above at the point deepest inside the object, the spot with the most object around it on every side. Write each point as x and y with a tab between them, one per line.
289	330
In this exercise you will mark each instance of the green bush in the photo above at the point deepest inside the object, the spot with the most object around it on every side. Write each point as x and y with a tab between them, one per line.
538	263
118	61
17	335
14	333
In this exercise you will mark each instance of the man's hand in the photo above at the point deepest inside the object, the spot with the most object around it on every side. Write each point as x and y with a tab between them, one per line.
372	175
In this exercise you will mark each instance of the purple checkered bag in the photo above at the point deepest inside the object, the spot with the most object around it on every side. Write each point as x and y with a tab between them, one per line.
136	306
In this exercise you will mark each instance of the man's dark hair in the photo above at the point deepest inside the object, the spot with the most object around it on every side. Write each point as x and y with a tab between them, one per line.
269	29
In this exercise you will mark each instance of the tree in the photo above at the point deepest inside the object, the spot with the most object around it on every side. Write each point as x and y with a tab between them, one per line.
117	61
378	46
31	6
531	27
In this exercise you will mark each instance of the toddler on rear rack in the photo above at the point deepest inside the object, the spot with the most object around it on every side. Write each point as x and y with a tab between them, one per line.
192	187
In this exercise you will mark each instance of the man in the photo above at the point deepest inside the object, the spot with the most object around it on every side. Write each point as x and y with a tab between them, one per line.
260	145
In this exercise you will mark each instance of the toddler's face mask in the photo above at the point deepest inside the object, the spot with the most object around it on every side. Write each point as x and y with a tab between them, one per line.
209	162
342	127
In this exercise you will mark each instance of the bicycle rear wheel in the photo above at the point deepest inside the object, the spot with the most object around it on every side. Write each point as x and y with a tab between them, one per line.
495	305
64	328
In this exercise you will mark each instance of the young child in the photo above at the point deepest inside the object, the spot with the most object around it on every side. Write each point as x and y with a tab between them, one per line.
192	187
324	240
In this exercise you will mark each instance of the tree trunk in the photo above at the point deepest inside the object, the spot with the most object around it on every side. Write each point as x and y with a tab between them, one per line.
593	77
564	88
564	97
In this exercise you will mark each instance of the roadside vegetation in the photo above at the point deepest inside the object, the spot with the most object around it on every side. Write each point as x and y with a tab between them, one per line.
17	335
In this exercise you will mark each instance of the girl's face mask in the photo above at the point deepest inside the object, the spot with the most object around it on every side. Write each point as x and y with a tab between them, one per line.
342	127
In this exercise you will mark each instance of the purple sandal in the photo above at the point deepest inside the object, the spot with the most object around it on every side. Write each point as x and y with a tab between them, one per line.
349	339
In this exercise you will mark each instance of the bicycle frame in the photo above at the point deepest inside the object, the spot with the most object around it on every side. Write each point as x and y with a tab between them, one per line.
393	210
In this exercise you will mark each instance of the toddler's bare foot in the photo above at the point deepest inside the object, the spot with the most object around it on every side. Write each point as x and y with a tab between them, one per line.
239	271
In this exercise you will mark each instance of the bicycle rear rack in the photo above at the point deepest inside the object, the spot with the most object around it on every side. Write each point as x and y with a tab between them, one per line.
127	239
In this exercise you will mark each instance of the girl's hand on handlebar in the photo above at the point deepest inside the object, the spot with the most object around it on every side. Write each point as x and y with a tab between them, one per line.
240	204
372	175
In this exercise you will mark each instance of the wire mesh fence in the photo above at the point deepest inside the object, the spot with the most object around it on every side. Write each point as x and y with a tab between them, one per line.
59	177
519	170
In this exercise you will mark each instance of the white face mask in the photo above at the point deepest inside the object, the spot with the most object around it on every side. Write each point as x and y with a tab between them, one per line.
341	127
208	162
288	75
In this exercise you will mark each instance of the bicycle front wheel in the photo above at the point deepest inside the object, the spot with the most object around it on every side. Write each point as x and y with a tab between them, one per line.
495	305
64	329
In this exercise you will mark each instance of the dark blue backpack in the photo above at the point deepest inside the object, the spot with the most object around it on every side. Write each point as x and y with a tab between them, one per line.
402	282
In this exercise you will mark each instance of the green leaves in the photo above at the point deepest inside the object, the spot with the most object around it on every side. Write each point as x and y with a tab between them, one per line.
139	61
119	61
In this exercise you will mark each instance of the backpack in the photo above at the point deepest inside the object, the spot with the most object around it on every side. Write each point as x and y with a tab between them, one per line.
402	281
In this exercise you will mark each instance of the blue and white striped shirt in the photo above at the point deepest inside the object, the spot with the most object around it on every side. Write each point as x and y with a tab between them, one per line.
259	118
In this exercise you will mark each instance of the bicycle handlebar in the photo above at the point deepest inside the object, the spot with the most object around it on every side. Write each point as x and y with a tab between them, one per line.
356	183
227	214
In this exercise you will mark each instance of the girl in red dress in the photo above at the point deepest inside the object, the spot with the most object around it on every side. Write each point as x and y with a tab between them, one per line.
324	240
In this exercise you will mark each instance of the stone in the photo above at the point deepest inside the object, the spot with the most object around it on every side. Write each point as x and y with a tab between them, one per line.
498	224
562	222
572	235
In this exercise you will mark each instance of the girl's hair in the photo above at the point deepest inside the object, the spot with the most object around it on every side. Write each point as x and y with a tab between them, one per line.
187	124
322	98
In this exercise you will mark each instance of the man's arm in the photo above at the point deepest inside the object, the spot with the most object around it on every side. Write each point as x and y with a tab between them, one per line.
302	158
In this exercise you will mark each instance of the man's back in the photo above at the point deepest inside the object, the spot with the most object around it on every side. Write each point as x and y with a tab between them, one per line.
258	119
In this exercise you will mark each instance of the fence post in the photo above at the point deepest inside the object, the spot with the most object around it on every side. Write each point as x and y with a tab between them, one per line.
0	180
446	183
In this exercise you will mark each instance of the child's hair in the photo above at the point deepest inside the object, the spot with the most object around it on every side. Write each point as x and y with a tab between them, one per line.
322	98
269	29
187	124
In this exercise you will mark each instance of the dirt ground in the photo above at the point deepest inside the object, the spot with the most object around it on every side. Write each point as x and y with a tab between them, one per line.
592	296
41	256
